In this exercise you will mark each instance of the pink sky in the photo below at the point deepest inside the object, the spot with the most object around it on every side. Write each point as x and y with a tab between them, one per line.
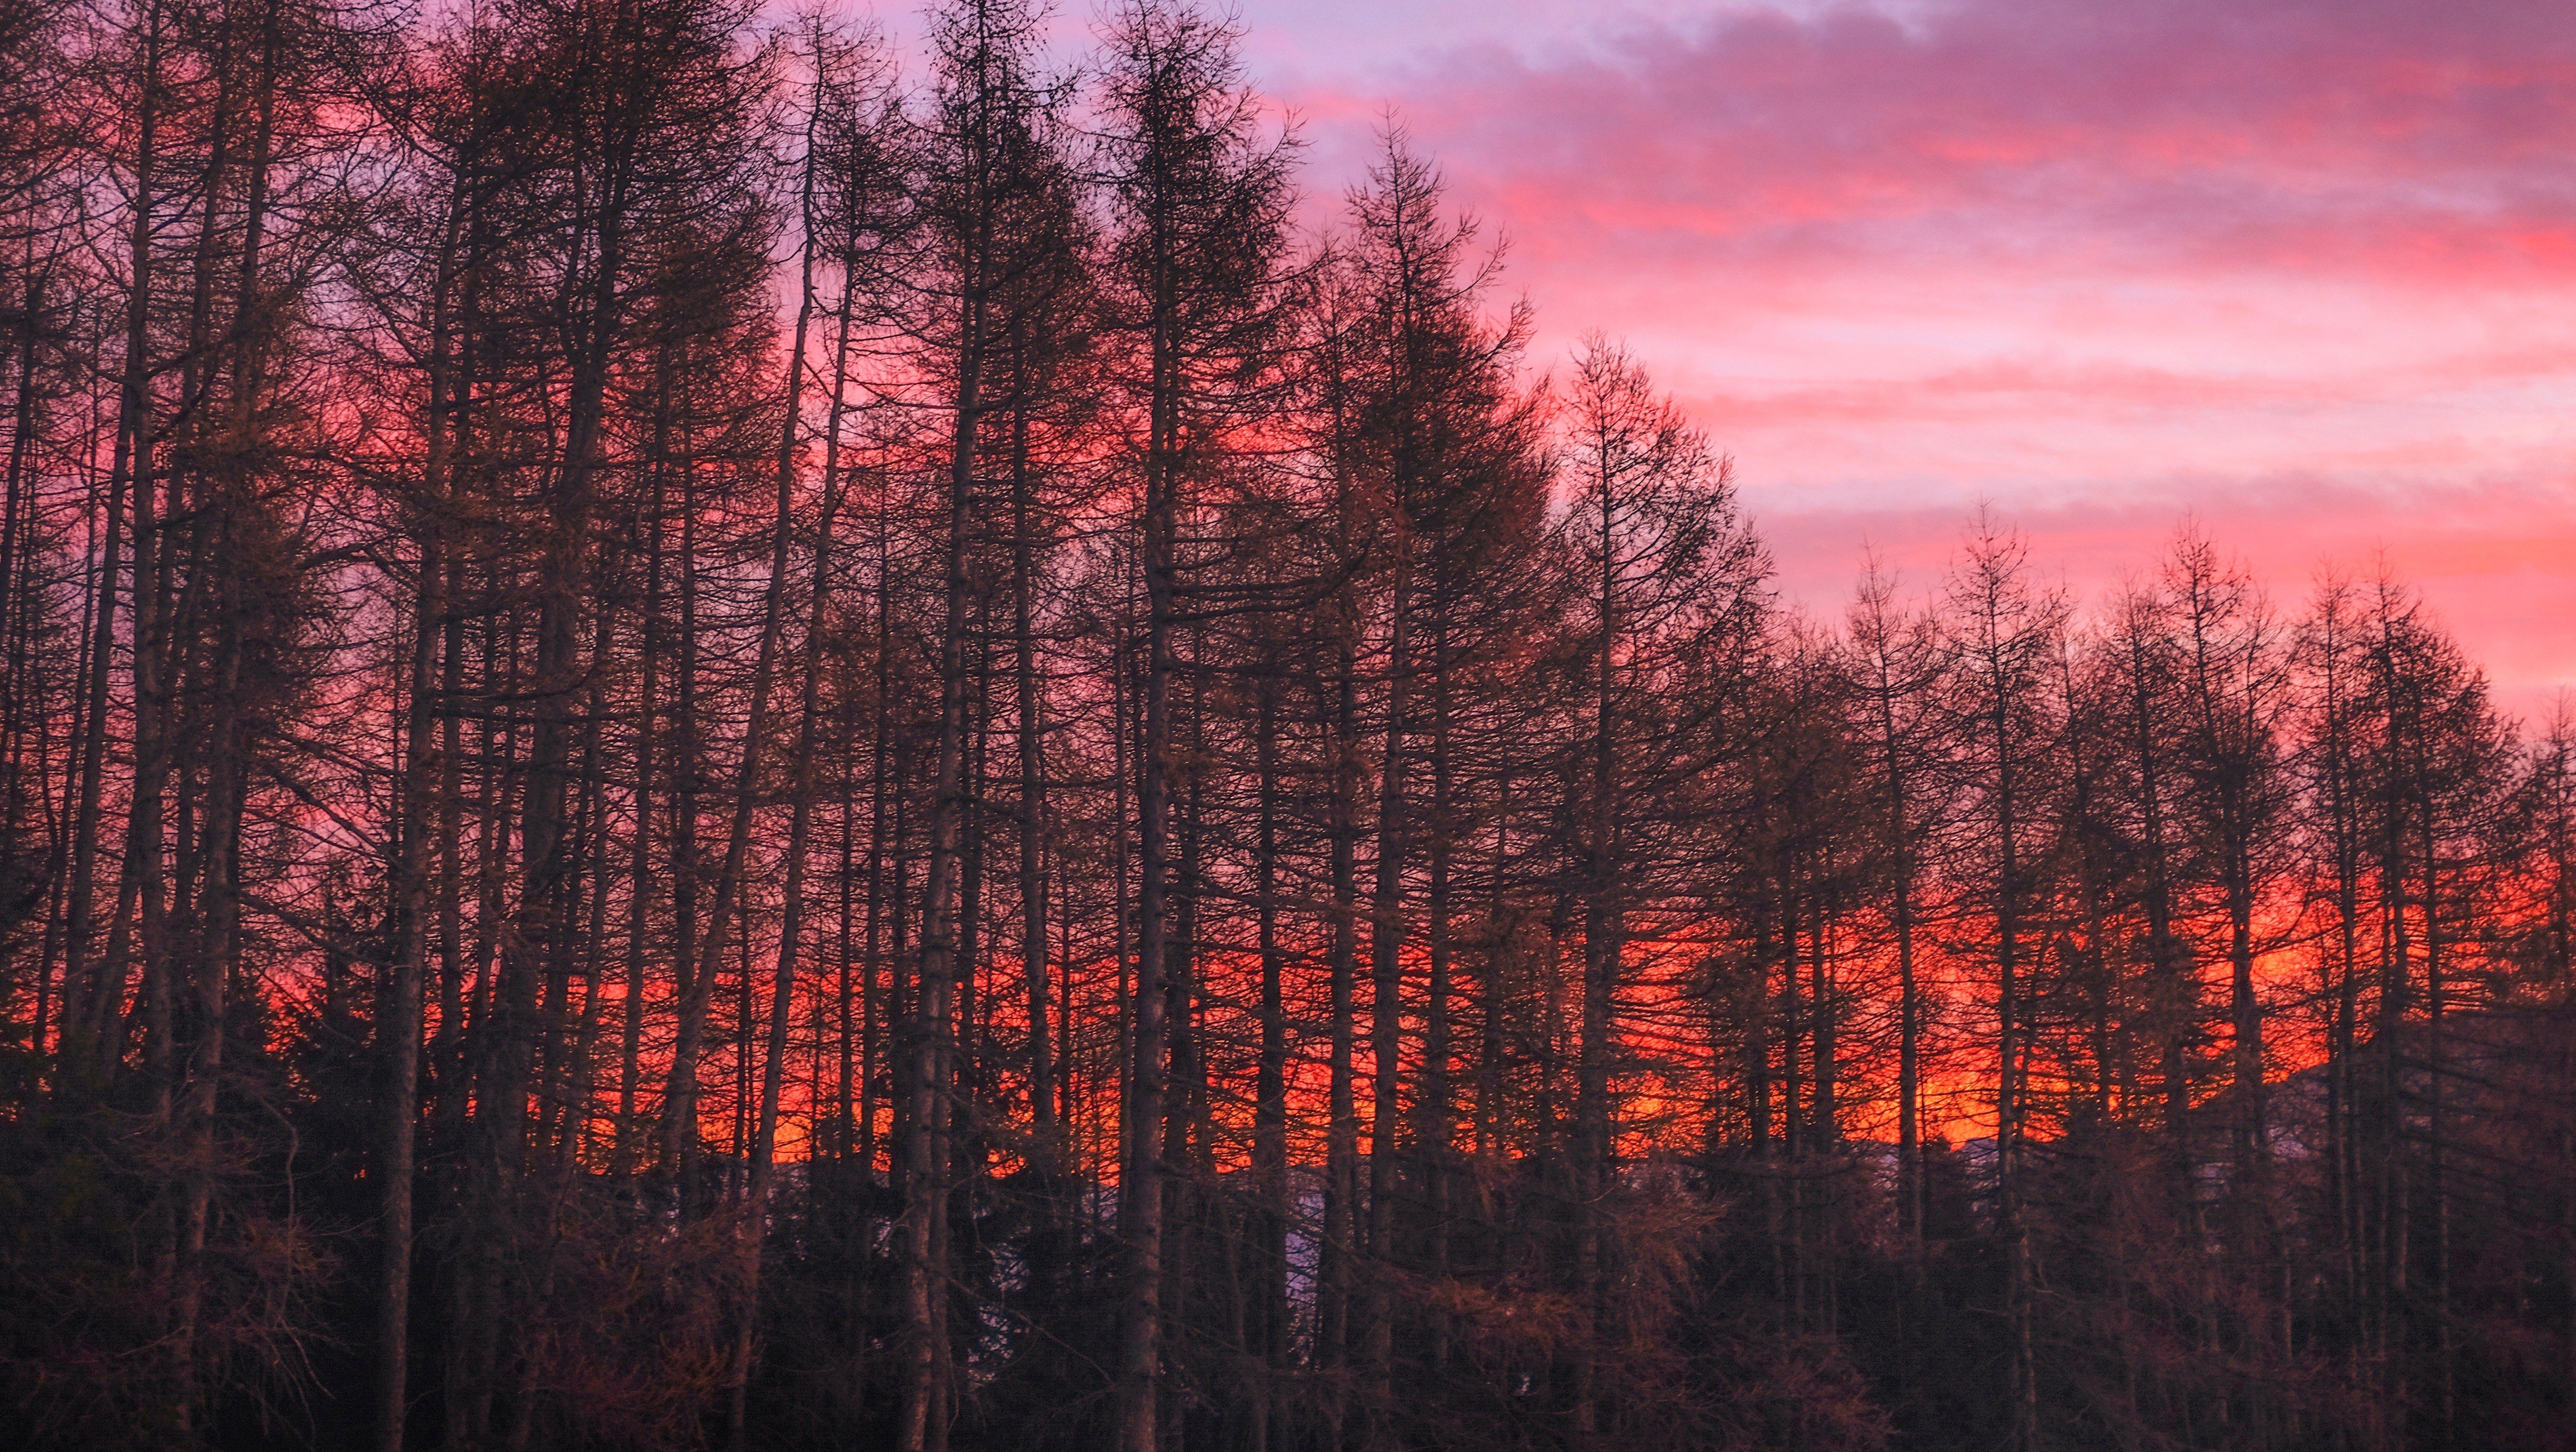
2305	269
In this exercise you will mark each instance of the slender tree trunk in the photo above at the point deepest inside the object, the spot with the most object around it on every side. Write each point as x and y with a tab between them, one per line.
91	1006
924	1184
399	1015
1341	1225
1270	1093
1140	1193
1031	733
1386	974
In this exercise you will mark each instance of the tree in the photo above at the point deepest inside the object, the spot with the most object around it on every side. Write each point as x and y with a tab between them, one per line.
2004	631
1197	260
1897	664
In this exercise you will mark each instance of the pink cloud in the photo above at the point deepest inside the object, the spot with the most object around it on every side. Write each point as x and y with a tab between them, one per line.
2306	269
2140	129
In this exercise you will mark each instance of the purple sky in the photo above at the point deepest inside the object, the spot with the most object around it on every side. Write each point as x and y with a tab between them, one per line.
2305	269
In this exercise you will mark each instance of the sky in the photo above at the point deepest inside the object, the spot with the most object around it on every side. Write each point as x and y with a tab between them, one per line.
2303	271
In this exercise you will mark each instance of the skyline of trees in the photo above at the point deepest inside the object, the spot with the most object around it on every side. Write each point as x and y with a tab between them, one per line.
705	742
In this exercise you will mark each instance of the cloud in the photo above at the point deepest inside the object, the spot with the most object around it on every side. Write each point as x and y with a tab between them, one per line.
2238	134
2307	268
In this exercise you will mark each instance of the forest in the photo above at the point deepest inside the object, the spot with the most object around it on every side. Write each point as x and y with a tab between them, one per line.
719	733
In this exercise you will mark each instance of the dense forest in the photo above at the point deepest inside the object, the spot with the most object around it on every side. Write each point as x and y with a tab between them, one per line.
713	733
